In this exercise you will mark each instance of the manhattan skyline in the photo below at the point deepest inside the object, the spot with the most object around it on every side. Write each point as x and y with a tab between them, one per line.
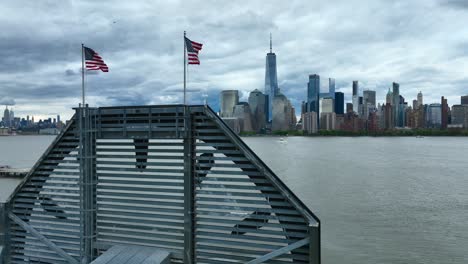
419	44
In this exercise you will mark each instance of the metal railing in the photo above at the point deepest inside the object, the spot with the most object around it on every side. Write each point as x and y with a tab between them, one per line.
170	177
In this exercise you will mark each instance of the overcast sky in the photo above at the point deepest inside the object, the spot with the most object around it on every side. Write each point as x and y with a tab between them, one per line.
422	44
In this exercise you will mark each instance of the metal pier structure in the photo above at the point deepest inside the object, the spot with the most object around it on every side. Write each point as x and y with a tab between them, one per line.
139	179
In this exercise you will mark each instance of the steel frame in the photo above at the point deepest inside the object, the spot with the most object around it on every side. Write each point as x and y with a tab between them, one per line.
171	177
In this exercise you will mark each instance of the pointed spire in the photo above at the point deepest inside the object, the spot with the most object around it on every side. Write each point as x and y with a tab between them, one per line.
271	44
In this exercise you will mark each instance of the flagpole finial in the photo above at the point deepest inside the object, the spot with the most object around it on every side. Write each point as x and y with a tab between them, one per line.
271	44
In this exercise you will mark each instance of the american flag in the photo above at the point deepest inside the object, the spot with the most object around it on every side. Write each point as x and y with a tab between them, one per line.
192	51
94	61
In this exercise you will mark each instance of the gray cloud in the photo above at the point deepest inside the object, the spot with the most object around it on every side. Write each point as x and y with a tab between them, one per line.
7	101
415	43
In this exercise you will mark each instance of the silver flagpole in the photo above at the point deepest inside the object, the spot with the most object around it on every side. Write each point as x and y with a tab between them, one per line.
185	77
82	75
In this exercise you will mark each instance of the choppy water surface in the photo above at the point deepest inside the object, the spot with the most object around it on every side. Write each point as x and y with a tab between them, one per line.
381	200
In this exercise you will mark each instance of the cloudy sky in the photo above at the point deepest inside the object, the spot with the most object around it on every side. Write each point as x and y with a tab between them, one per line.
422	44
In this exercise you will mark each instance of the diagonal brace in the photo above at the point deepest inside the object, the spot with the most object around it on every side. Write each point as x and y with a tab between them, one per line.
42	238
280	251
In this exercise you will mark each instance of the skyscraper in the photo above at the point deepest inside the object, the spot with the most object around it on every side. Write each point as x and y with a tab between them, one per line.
368	103
229	99
313	91
327	105
6	117
259	108
396	104
339	103
389	99
355	96
464	100
331	90
420	99
369	97
444	112
271	79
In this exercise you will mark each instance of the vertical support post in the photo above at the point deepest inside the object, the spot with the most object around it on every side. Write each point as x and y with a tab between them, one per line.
88	182
4	233
314	244
189	217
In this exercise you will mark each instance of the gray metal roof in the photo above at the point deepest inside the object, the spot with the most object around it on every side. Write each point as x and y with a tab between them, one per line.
133	255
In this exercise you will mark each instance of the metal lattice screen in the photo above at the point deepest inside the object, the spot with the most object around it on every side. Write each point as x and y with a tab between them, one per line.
169	177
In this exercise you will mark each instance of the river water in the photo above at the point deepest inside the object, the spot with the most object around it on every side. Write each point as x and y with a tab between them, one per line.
380	200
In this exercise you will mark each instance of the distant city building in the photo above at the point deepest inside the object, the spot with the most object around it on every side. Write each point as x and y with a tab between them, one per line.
313	91
339	103
389	97
228	99
271	79
6	117
444	112
355	98
283	113
327	105
349	107
331	90
420	99
258	103
233	123
309	122
369	97
368	102
434	116
464	100
327	121
460	115
396	105
242	112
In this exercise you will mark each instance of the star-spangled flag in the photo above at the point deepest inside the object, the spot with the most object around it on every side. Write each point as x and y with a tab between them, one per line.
192	51
93	61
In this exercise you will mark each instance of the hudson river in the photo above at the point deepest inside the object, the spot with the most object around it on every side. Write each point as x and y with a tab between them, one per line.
381	200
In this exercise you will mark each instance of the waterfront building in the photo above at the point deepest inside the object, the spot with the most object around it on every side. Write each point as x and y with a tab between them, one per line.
355	98
327	121
327	105
349	107
373	121
339	103
464	100
309	122
313	91
389	97
228	99
243	113
396	104
444	112
460	115
282	114
388	116
420	99
434	116
233	123
271	79
258	103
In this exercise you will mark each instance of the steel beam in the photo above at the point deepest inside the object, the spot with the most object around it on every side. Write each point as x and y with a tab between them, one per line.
189	232
42	238
280	251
